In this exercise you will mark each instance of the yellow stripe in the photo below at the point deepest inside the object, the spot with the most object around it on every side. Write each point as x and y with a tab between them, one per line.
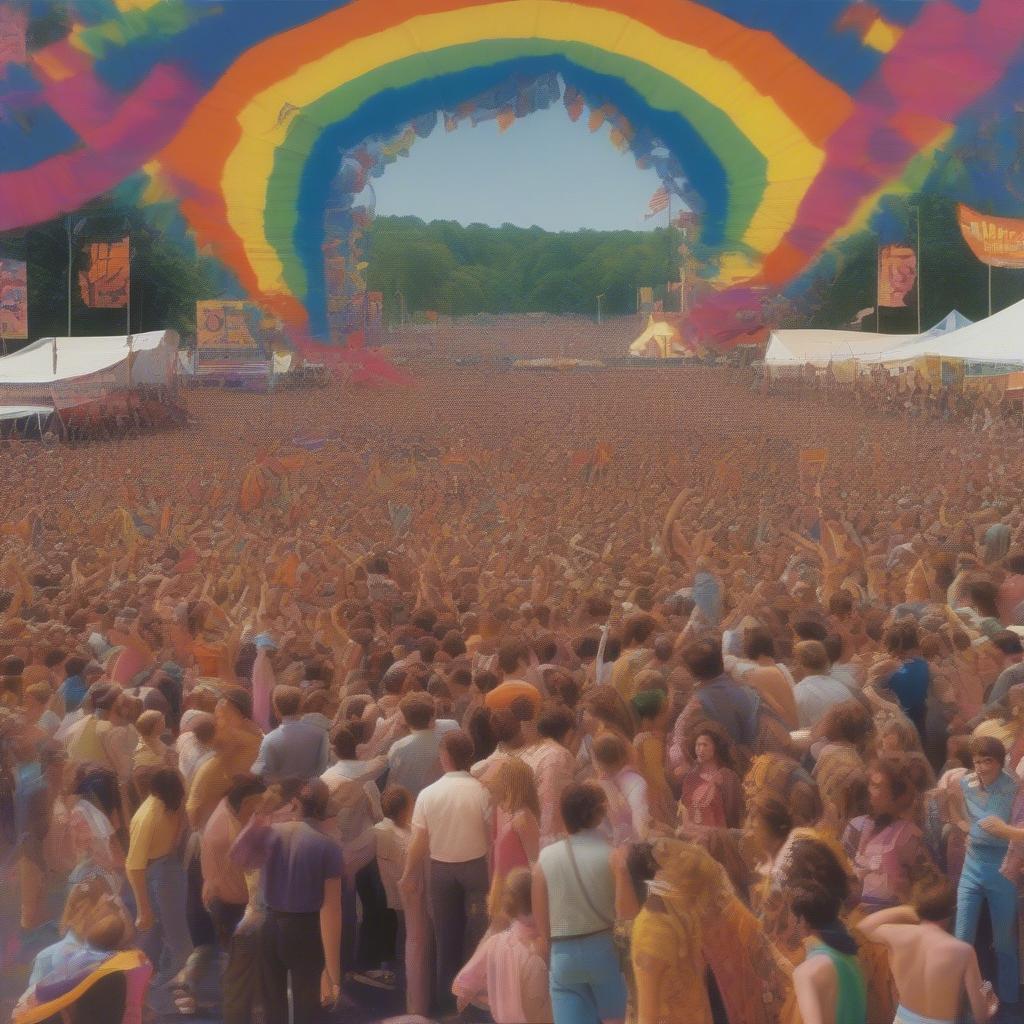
793	160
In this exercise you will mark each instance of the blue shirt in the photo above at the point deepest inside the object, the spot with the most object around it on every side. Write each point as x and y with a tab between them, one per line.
910	685
72	691
996	800
294	750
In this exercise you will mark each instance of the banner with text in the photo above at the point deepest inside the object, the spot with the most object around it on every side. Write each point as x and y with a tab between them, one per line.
13	299
997	241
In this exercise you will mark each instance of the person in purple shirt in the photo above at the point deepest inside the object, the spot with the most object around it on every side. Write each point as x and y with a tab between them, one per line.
295	749
302	872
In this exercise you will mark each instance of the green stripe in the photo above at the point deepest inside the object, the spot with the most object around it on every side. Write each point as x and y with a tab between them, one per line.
744	165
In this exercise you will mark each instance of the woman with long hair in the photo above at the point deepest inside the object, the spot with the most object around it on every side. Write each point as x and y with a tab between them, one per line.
516	828
696	946
711	792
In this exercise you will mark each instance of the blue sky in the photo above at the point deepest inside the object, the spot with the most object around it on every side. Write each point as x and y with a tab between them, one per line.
544	170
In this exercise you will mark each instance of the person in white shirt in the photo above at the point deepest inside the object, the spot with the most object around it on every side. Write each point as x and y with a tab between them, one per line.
816	691
452	826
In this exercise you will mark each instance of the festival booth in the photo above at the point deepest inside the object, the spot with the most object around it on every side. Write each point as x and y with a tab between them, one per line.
73	377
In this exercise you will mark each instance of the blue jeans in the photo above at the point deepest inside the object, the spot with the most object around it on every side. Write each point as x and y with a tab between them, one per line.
586	983
980	882
167	943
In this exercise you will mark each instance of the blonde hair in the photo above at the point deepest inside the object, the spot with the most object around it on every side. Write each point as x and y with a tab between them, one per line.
148	722
517	894
81	903
517	786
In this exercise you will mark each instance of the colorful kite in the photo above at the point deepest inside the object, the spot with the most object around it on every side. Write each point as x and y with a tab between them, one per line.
262	120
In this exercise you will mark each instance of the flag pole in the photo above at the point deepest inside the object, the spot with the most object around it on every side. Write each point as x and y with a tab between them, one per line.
990	289
919	265
878	294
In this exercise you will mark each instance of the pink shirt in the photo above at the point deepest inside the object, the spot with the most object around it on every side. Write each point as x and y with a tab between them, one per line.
513	975
222	876
553	769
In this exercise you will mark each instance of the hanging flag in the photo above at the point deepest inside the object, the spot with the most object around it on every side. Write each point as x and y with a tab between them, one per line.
658	203
646	300
997	241
897	274
104	280
13	299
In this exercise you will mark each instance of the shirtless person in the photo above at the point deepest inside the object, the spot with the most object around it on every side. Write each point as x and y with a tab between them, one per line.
930	967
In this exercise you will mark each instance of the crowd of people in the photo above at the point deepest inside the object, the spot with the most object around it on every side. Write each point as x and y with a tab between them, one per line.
545	698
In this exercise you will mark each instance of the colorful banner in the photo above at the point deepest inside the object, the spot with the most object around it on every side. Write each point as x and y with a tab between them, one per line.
103	281
646	300
13	299
12	36
226	324
897	275
997	241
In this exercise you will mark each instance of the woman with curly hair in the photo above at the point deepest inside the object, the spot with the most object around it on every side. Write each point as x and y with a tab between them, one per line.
711	793
695	946
886	846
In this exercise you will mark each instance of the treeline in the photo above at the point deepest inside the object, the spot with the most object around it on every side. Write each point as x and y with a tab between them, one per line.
461	270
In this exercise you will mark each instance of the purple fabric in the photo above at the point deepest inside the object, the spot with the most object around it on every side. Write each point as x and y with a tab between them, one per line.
296	861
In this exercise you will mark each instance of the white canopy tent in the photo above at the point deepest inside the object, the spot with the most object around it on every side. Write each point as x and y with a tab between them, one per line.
153	359
953	321
996	339
820	348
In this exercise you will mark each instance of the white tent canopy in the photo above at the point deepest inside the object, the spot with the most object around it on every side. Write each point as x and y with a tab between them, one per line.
953	321
820	348
153	359
996	339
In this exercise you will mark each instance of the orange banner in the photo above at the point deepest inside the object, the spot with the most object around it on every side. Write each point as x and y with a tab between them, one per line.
997	241
13	299
897	274
104	280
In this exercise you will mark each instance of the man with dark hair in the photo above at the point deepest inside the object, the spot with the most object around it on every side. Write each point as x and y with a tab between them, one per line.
1012	650
451	825
295	749
302	873
932	970
737	708
74	687
414	761
829	984
989	792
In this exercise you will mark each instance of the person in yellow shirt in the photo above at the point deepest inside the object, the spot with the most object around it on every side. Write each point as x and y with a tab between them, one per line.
156	874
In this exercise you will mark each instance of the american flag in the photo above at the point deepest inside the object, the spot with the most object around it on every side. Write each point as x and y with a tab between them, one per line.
658	203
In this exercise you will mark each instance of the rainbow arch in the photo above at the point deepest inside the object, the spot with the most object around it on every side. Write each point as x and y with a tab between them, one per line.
790	119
